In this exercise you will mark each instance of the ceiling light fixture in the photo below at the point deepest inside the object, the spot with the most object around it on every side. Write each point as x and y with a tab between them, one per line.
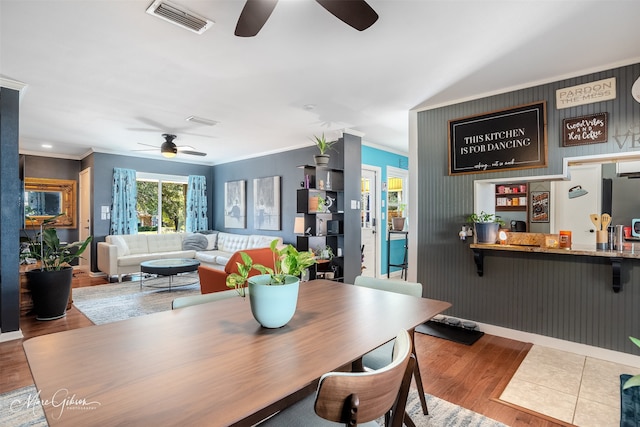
47	146
202	120
168	149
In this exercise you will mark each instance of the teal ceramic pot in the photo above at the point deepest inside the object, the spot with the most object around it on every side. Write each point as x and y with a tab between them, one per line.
273	305
487	232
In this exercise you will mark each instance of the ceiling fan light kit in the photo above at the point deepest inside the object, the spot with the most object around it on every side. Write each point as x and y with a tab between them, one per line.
168	149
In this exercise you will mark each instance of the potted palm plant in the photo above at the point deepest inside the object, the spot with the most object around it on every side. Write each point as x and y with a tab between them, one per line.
50	284
323	145
486	226
273	295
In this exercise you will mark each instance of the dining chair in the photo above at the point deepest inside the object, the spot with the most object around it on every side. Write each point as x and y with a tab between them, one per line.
187	301
355	398
382	355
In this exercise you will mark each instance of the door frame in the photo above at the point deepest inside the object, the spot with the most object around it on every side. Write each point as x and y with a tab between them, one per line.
378	211
84	215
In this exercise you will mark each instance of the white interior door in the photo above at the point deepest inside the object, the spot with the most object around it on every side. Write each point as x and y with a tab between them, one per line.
85	216
572	213
369	222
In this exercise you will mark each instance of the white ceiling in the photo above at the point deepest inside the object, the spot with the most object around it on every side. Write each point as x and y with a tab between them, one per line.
106	76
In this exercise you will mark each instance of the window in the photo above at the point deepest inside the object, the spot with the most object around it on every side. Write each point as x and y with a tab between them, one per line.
161	197
397	194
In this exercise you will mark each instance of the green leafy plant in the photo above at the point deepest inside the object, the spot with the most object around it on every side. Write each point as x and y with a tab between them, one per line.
287	261
322	144
484	217
635	380
44	246
401	208
324	252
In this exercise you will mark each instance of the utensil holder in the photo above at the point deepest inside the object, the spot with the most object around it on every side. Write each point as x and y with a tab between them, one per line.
602	239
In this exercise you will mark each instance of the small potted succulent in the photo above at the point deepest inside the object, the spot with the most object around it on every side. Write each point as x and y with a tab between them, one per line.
324	146
274	293
486	226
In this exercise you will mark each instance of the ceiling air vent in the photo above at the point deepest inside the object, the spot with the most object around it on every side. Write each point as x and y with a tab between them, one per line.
180	16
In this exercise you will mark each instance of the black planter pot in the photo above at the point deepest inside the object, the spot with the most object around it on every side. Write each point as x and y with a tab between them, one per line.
50	292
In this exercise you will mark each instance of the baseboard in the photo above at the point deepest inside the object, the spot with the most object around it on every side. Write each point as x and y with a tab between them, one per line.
10	336
558	344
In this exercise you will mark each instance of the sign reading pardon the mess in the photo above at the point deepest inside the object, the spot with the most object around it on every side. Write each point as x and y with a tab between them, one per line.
506	139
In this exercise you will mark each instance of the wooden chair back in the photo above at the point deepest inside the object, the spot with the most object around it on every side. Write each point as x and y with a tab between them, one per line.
358	397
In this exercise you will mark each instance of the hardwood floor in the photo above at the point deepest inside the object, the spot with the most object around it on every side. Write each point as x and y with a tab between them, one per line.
475	376
469	376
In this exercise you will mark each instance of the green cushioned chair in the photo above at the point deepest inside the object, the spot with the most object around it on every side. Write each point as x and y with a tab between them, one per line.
203	298
382	355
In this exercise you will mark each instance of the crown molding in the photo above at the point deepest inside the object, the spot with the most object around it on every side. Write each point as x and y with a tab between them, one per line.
15	85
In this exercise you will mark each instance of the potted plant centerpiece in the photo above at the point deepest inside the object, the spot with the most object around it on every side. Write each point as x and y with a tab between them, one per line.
486	226
323	145
50	284
273	295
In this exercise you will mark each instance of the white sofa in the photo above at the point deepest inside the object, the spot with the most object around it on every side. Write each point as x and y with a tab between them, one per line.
122	254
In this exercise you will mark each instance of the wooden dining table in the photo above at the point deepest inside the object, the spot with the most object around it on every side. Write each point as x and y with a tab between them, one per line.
212	364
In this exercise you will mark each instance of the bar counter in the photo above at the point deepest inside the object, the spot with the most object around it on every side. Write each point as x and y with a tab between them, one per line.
631	251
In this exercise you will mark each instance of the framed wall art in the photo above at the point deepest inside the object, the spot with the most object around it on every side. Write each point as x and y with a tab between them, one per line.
540	206
266	203
235	204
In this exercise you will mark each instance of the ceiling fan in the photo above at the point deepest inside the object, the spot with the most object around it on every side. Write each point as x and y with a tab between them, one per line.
356	13
169	149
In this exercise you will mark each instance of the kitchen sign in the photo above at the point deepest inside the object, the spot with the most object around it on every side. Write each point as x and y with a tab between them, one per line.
584	130
602	90
507	139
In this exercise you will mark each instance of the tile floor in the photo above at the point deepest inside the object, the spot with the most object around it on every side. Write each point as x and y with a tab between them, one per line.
569	387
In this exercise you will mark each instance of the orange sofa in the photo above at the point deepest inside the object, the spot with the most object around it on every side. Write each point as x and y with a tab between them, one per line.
214	280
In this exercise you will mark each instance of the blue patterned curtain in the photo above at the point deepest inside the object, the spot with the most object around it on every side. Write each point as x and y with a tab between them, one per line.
197	204
124	218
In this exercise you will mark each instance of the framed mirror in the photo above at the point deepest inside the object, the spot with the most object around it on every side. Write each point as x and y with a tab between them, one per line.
45	198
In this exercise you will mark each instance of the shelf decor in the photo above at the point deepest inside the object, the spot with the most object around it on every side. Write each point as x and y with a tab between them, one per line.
266	201
235	204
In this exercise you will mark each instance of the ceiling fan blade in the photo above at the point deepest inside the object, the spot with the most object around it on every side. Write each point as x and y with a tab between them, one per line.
253	17
149	145
356	13
193	153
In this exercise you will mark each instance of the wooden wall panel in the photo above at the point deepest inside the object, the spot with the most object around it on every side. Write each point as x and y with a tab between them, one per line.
566	297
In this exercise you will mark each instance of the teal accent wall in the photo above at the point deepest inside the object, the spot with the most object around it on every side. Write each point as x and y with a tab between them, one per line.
380	158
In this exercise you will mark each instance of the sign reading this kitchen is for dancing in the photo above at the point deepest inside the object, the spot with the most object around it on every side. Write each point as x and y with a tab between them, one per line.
507	139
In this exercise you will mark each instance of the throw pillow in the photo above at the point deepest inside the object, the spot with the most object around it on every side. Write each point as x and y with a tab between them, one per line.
213	241
197	242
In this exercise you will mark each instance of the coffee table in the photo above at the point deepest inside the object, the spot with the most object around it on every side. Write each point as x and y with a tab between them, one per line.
168	267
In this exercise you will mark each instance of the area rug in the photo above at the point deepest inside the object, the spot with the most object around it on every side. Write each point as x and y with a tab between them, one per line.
449	332
445	414
21	408
120	301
